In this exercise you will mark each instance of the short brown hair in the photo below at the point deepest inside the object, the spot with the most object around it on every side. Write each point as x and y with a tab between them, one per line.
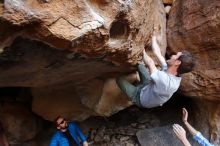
55	120
187	63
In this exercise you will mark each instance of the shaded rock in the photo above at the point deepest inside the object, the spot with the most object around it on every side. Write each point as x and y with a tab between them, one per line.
42	139
19	123
60	24
194	25
3	139
100	135
208	125
106	138
168	1
124	138
112	99
50	102
148	120
141	126
161	136
78	103
125	131
92	134
77	45
134	125
46	66
129	144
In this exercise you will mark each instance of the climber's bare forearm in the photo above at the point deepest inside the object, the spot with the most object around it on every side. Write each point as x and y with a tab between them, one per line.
149	62
192	130
157	51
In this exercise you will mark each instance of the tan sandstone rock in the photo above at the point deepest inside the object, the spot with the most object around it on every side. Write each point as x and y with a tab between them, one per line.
168	1
60	47
92	28
195	26
96	97
19	122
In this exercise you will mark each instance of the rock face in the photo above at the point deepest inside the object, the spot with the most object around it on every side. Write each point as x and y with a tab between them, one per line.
78	103
71	51
19	123
91	28
152	137
168	1
195	25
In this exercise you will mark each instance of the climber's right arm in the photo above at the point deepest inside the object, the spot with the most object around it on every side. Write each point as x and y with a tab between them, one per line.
149	62
156	50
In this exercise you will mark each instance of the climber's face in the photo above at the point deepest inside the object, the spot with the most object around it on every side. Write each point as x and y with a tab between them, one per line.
174	59
62	123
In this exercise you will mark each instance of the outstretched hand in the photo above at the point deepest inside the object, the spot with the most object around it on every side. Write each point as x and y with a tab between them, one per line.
179	131
185	115
181	134
85	143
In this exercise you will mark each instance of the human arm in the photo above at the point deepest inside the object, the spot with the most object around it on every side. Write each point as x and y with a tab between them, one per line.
85	143
192	130
149	62
196	134
81	136
156	50
181	134
54	140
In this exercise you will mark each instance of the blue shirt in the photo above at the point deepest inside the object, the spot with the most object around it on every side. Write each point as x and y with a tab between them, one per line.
202	140
59	139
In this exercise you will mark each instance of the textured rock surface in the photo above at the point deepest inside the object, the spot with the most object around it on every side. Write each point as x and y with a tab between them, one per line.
168	1
96	97
3	139
93	28
73	45
213	110
115	130
152	137
19	123
203	115
33	64
69	52
194	25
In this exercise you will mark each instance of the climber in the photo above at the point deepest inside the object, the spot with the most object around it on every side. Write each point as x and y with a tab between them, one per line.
181	133
157	86
67	134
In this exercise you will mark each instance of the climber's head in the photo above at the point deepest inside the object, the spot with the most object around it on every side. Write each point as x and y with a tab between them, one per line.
61	123
183	61
187	63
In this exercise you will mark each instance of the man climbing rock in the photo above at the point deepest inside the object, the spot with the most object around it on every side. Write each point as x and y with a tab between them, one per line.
157	86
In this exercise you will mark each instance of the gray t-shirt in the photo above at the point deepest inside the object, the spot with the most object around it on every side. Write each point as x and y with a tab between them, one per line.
160	90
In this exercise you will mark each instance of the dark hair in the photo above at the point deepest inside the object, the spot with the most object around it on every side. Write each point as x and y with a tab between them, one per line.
55	120
187	63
